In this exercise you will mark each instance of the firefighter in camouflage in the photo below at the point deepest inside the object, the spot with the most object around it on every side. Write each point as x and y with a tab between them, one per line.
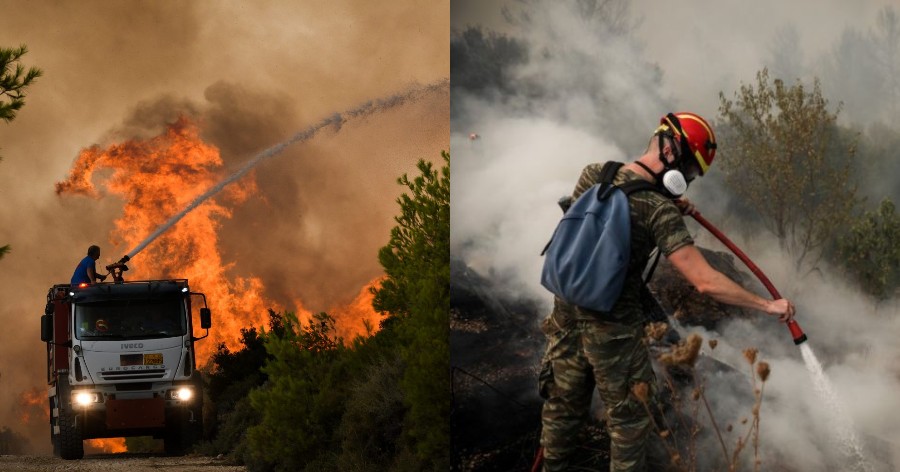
588	349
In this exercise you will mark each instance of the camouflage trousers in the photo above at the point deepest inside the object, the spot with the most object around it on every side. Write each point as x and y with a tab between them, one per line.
580	355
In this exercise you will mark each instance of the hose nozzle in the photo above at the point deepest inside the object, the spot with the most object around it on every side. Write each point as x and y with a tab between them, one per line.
796	333
117	269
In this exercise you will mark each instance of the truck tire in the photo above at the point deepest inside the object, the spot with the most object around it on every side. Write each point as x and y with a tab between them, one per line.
179	438
69	439
54	441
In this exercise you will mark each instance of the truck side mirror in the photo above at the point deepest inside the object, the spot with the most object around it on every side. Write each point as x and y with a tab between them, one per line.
46	328
205	318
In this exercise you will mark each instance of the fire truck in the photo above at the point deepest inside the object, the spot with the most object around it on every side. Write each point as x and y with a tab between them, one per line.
121	362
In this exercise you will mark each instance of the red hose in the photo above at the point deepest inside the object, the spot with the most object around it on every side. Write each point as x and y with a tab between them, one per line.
796	333
538	460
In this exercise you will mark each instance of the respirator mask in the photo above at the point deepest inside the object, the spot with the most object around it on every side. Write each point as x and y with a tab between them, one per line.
678	174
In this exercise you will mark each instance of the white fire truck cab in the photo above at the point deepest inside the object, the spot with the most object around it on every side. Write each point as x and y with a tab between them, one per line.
121	362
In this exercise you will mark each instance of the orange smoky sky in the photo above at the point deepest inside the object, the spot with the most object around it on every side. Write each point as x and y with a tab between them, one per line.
306	224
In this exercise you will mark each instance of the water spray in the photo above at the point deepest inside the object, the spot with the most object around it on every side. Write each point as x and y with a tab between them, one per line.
336	120
796	333
841	422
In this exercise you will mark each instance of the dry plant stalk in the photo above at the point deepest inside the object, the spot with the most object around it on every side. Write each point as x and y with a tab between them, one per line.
685	355
762	370
641	391
656	330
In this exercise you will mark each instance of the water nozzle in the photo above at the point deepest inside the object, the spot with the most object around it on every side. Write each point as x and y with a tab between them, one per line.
796	333
117	269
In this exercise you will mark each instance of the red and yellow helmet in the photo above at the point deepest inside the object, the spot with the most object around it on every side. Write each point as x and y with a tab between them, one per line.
101	325
693	131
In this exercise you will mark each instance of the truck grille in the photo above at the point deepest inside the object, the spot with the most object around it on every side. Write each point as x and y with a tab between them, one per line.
134	387
135	374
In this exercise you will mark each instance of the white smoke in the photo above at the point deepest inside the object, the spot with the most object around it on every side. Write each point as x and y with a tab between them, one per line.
503	210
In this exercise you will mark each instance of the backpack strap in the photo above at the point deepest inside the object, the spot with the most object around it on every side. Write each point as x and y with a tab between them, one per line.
608	174
608	171
637	186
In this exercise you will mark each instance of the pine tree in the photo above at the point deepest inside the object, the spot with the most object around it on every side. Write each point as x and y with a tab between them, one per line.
14	80
416	295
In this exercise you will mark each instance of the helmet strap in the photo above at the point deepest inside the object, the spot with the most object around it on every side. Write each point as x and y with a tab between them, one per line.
655	176
671	180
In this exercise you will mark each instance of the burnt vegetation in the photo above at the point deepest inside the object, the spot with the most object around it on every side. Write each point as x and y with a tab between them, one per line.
495	357
806	157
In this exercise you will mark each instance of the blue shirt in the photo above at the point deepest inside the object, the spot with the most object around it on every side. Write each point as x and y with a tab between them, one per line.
81	272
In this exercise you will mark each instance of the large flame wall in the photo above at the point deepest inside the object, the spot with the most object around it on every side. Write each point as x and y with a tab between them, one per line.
156	178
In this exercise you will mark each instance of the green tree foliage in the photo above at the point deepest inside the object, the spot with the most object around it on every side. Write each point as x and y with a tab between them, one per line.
482	60
377	403
373	420
877	165
783	157
14	81
234	374
416	294
237	372
871	253
302	403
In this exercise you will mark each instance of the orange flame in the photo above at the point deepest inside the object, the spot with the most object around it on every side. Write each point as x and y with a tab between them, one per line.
358	318
107	445
158	177
33	404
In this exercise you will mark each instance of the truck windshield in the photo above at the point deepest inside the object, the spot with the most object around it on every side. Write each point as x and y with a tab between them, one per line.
130	319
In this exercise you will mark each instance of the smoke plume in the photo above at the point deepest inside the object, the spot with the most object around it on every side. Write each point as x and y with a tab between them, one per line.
590	90
248	76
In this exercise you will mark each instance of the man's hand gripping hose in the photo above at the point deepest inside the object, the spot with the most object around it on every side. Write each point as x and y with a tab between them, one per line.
796	333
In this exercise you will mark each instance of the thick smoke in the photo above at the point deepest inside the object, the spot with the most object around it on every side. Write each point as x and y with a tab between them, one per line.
557	113
252	75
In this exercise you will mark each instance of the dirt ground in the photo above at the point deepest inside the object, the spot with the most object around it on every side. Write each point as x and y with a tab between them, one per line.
118	462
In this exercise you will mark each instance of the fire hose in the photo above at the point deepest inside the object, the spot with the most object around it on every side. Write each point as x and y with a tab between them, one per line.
796	333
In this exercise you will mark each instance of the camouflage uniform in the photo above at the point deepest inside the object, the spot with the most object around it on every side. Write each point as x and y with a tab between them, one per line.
585	348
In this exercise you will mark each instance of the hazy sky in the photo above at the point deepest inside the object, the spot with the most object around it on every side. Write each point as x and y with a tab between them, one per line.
252	74
706	46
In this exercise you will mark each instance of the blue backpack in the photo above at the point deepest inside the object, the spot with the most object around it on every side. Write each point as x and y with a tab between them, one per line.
588	256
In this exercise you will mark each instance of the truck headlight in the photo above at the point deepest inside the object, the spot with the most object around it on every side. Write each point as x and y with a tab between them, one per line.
183	394
85	398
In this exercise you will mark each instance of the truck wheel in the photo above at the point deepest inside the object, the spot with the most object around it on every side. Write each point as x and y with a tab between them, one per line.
179	436
54	441
68	441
